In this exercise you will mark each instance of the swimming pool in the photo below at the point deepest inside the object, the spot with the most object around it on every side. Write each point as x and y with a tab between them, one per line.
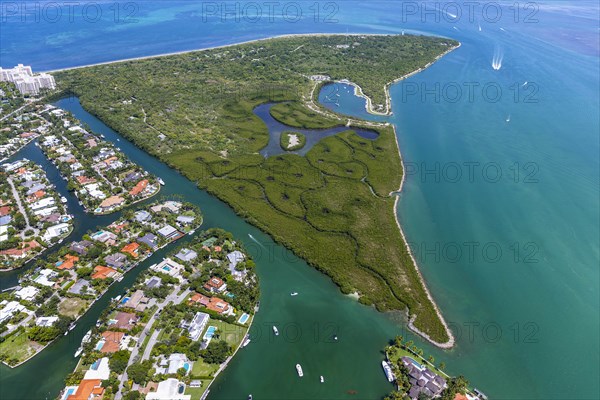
125	300
186	366
210	332
166	268
99	345
69	390
243	318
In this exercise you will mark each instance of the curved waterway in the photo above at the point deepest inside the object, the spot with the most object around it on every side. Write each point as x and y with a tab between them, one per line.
307	322
313	136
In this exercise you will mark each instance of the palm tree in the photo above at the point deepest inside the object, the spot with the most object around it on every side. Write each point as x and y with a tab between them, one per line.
431	359
442	365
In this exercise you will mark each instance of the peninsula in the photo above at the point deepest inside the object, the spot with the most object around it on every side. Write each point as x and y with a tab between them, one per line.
333	206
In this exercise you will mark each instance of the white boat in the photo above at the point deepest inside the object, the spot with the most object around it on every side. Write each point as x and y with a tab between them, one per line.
118	140
78	352
388	371
246	342
294	294
249	397
63	199
275	330
299	370
87	337
322	379
161	181
191	233
117	298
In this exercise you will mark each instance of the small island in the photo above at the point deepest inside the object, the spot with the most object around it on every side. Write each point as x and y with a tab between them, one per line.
291	141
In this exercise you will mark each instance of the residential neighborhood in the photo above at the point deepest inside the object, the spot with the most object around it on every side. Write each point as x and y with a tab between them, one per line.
61	287
175	329
99	174
33	216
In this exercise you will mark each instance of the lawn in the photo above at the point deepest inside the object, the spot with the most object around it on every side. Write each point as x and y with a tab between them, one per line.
16	348
232	334
197	393
72	306
201	368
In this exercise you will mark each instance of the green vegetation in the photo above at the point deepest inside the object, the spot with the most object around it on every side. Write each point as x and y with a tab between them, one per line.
291	141
16	347
333	207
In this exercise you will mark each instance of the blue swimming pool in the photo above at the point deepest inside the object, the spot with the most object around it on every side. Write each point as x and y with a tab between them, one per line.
99	345
243	318
210	332
186	366
125	300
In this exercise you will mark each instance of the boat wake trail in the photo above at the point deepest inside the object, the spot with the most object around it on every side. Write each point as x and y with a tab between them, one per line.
497	59
254	240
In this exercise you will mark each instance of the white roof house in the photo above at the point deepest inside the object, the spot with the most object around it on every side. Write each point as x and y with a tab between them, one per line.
11	308
172	364
45	276
170	389
46	321
98	370
56	230
27	293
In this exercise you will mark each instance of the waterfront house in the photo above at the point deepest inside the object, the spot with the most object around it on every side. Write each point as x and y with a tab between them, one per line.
196	326
139	187
170	389
215	285
168	232
132	249
102	272
124	320
9	309
423	380
88	389
111	203
173	363
185	220
116	260
150	240
27	293
138	301
46	322
98	370
111	341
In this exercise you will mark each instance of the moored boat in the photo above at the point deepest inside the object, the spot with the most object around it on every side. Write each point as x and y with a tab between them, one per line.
388	371
246	341
78	352
161	181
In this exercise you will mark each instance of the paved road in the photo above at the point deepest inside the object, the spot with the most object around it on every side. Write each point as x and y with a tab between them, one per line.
21	209
175	299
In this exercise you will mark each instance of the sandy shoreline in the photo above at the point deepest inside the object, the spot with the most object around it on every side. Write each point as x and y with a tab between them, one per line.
289	35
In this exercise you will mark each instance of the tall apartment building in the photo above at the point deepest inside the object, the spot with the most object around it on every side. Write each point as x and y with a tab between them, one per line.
27	83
